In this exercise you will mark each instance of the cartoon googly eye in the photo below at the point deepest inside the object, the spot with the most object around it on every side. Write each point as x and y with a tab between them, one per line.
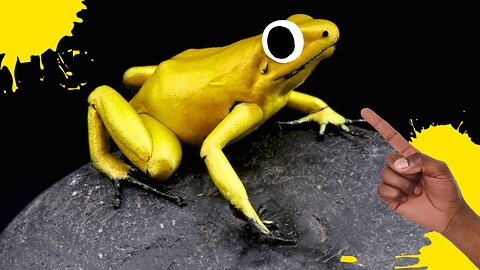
282	41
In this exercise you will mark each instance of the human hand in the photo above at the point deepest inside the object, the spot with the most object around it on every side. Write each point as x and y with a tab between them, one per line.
416	186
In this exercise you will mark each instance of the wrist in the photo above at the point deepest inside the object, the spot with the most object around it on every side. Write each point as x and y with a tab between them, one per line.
464	219
464	232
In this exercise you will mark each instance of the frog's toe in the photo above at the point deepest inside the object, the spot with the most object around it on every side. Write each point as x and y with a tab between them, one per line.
133	178
321	131
351	132
280	239
270	236
117	197
345	128
353	121
271	225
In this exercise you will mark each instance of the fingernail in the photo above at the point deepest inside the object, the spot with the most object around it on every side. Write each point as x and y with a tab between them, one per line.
401	163
417	191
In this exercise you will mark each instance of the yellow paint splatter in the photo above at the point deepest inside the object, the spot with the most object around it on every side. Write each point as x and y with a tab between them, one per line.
445	143
31	27
348	259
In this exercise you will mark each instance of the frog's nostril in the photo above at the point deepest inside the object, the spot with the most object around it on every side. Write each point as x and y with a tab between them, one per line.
325	34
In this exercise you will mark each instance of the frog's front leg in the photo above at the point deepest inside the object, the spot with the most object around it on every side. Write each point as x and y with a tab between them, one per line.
243	118
318	111
147	143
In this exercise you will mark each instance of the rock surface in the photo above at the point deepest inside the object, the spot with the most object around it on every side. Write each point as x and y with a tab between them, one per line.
322	193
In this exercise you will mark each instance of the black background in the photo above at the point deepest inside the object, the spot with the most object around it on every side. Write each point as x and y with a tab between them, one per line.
407	61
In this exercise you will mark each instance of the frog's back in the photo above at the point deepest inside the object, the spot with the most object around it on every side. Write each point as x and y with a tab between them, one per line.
193	91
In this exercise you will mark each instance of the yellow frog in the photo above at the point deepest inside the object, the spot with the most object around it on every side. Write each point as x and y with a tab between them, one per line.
210	98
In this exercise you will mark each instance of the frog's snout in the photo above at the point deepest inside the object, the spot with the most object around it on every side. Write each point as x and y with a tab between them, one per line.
325	35
330	32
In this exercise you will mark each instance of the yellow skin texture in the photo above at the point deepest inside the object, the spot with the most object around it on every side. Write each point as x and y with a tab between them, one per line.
207	98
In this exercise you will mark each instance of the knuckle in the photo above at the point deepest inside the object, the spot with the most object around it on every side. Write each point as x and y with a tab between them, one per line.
385	173
416	156
389	192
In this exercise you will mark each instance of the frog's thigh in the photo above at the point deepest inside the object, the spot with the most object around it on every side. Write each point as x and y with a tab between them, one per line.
148	144
135	77
166	149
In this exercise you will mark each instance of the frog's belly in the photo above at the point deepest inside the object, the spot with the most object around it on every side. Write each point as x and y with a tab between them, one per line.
193	124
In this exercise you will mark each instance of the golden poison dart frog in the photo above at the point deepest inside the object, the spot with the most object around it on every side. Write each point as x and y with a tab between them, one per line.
210	98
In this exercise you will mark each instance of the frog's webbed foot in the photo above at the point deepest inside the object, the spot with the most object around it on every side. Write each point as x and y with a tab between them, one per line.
327	116
347	129
133	178
274	236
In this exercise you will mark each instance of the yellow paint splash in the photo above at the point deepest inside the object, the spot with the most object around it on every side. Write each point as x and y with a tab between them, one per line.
31	27
348	259
445	143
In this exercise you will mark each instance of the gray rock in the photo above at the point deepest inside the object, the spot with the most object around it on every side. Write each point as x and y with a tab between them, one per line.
322	193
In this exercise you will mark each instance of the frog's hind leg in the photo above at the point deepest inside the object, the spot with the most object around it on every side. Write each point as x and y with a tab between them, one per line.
135	77
147	143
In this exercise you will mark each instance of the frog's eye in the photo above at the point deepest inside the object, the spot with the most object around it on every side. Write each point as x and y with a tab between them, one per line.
282	41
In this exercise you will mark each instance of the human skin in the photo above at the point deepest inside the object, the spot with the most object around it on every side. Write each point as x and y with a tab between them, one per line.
424	190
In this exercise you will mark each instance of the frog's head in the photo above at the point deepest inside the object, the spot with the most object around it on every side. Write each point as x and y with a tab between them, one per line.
292	49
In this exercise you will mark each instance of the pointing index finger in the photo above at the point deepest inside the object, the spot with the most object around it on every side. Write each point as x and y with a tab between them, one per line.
388	132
